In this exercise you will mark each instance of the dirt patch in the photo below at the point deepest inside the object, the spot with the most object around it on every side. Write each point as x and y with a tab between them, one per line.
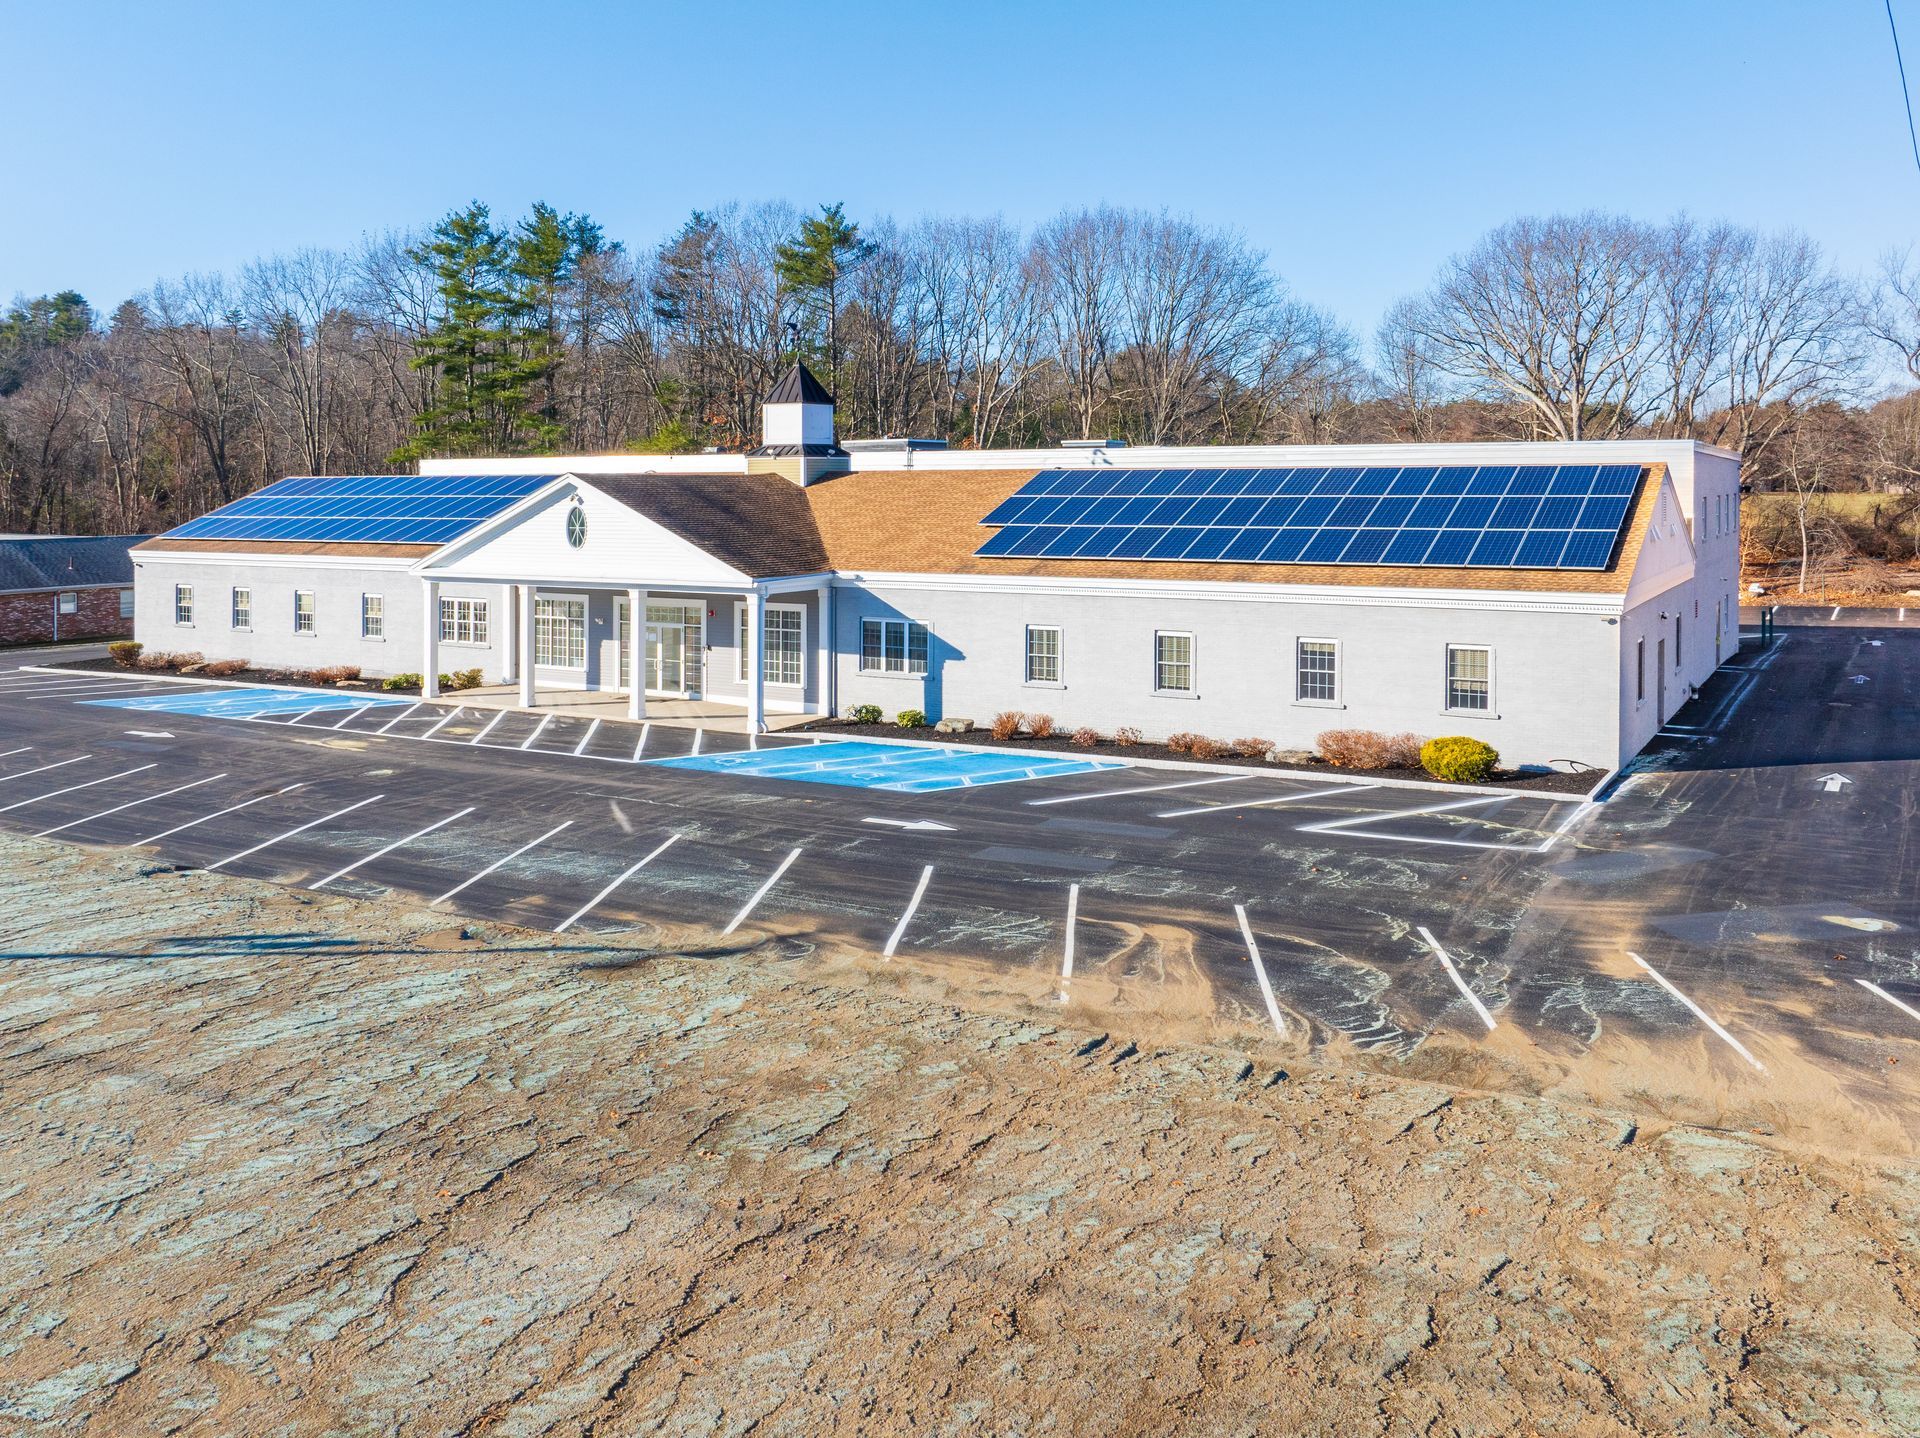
312	1165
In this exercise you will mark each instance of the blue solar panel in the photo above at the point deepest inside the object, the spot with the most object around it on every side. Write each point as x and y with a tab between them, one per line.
1502	516
370	508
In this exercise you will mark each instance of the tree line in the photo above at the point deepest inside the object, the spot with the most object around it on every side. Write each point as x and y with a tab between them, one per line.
543	335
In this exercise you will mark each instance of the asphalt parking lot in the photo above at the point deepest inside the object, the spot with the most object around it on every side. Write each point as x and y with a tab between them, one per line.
1730	907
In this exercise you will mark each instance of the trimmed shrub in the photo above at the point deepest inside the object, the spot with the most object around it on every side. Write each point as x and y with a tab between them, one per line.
1126	737
1201	747
1181	742
865	714
401	681
226	668
461	678
1086	738
910	719
330	674
1459	759
161	659
125	652
1006	724
1040	725
1353	748
1253	748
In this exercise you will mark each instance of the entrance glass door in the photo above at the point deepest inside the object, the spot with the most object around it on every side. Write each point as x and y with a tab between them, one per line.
666	658
672	654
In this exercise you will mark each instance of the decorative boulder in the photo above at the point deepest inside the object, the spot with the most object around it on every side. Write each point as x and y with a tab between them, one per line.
954	726
191	668
1292	756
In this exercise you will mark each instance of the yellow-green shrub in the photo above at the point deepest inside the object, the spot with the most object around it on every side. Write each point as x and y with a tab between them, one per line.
1459	759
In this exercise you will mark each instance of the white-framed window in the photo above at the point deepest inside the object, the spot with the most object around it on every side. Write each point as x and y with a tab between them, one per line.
1316	670
126	604
1469	679
69	603
1640	670
1676	641
303	611
560	633
1172	662
373	616
785	659
464	621
183	604
242	608
892	646
1043	654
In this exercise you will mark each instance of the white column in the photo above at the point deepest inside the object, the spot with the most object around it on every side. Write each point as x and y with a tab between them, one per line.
823	675
637	653
510	632
430	642
528	594
756	666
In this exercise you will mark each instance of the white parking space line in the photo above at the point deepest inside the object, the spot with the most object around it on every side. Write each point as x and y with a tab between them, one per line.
586	738
1066	951
489	729
1698	1012
1261	803
396	844
1873	988
641	747
4	778
300	829
54	690
538	730
1459	983
628	873
1580	811
445	720
398	717
761	892
504	859
73	788
230	809
900	929
1835	615
698	735
24	748
1385	814
130	804
1260	972
1141	789
352	714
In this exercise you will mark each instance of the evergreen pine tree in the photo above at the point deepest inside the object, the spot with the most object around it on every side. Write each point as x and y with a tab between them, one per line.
814	265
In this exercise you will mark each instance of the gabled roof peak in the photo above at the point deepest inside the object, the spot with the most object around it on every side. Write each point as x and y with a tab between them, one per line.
798	386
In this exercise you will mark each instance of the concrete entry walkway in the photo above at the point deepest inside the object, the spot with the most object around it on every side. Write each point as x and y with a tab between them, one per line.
612	704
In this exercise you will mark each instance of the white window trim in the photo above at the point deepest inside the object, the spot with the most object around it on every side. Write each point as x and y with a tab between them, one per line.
126	604
586	617
233	608
1339	700
740	657
381	637
1192	691
313	612
906	649
1492	711
178	590
480	606
60	602
1059	632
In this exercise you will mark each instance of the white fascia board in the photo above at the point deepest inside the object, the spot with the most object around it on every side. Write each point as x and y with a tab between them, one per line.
1587	451
1365	596
263	559
593	464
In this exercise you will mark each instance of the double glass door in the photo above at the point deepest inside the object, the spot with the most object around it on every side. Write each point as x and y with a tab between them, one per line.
673	649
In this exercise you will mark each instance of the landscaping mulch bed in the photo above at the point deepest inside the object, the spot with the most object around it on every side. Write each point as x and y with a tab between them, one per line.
1547	782
291	678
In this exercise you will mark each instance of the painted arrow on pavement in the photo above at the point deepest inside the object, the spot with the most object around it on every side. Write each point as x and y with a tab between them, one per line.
1832	782
150	733
925	826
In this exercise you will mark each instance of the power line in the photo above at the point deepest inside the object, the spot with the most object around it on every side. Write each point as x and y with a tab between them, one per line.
1906	93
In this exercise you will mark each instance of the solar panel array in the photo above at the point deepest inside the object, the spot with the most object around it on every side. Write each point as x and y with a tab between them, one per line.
1543	516
366	508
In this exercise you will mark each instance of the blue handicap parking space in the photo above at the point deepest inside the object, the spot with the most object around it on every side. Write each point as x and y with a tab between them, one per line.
245	703
898	768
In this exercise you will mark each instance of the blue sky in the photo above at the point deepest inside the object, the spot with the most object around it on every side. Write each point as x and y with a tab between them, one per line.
1357	143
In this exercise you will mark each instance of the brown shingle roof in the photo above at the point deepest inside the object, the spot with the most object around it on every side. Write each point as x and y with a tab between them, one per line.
928	522
758	523
347	550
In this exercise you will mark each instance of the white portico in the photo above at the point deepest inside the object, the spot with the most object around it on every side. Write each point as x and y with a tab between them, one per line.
642	585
